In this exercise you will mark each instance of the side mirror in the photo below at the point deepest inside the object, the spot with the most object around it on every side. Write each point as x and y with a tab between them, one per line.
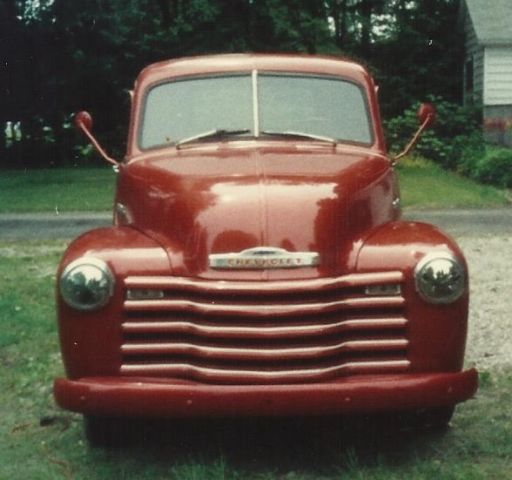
83	122
426	116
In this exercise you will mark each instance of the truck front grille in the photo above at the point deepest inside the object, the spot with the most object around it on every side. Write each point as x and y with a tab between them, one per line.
263	332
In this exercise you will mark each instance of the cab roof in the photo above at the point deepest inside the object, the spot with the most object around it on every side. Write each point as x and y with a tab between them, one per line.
214	64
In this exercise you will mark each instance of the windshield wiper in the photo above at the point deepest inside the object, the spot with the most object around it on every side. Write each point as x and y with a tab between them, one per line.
219	132
290	133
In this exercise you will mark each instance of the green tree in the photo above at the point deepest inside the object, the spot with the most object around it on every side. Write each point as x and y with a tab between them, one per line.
63	56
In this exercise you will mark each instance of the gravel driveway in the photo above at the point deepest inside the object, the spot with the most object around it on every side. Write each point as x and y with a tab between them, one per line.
490	322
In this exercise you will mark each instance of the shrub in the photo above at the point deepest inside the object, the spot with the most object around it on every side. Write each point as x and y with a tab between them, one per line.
469	150
495	167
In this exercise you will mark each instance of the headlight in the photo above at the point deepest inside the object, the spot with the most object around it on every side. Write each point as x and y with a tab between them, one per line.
440	278
86	284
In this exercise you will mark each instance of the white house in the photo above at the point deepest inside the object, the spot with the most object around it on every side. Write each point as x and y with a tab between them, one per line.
487	28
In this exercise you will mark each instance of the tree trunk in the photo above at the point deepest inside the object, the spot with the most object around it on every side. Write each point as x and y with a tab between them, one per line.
366	10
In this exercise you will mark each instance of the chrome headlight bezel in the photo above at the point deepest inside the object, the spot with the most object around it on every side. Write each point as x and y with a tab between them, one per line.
440	278
97	283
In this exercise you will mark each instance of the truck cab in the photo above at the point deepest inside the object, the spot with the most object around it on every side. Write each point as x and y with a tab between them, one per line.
257	264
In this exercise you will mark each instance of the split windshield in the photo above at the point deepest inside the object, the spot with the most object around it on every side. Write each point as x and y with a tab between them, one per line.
252	106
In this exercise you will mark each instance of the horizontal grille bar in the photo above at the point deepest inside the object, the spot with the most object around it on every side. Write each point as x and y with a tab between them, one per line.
261	331
264	288
218	375
262	310
267	354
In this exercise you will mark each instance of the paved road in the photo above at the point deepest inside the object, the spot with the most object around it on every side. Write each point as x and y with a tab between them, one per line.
467	222
32	226
69	225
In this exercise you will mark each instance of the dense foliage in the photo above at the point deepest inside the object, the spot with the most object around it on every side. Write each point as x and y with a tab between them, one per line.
455	141
495	167
59	56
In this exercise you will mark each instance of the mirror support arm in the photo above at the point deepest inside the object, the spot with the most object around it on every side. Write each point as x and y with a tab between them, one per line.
96	145
414	140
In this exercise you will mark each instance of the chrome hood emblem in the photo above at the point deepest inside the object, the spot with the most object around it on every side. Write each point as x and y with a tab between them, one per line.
262	258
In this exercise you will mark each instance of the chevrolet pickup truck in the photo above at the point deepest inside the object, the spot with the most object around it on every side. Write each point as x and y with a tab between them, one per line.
257	264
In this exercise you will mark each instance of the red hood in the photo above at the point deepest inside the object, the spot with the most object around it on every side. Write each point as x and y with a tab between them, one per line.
201	201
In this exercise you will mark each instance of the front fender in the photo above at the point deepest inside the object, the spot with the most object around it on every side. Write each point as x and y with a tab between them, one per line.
90	340
437	333
402	244
126	251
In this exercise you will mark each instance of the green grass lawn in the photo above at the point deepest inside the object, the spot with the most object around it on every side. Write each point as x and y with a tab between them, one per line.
59	189
423	185
41	442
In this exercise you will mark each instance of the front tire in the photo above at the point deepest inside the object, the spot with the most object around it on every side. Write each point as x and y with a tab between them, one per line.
103	431
434	419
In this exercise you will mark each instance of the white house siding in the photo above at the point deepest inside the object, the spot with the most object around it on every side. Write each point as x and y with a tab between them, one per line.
487	27
498	76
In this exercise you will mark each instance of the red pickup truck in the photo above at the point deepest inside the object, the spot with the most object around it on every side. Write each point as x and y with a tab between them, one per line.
257	264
